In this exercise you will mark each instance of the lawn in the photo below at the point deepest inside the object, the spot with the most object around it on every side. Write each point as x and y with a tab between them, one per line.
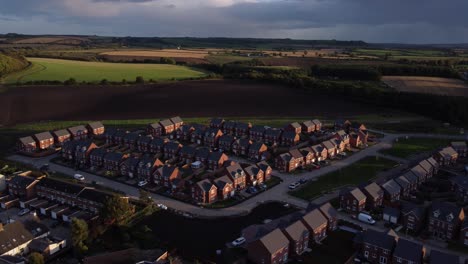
62	70
405	148
357	173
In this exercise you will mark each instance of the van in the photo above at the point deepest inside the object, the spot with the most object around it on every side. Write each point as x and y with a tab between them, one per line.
365	218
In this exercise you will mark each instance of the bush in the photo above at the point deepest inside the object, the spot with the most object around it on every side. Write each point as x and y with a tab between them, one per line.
139	80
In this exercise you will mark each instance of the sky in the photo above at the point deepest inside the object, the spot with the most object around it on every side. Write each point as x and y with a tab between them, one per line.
377	21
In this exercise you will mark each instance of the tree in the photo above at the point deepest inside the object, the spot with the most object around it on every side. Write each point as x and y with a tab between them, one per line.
116	210
104	82
80	234
145	197
36	258
139	79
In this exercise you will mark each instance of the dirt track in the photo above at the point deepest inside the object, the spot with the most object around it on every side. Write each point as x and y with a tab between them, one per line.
189	99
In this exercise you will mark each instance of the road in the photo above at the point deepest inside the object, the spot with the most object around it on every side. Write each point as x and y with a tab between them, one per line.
277	193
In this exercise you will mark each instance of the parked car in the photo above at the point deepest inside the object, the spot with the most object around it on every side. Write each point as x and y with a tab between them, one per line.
263	186
239	241
23	211
303	180
79	177
365	218
142	183
252	190
294	185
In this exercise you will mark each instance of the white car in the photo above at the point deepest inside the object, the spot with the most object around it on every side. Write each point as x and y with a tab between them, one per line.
142	183
79	177
239	241
294	185
23	211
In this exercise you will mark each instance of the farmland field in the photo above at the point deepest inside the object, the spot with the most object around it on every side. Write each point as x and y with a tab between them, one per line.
430	85
61	70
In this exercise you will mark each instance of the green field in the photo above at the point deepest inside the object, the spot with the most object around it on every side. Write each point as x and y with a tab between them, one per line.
354	174
62	70
405	148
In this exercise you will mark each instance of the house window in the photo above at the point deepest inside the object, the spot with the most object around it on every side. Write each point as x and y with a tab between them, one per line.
399	260
366	254
383	260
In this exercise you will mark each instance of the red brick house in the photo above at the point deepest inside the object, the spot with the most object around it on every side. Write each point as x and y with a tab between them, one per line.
290	161
435	165
405	186
241	146
339	144
294	127
154	129
184	132
242	129
225	142
187	154
197	135
61	136
290	138
165	175
412	179
146	167
318	124
44	140
446	156
167	126
331	214
352	201
273	136
22	186
202	155
392	192
211	138
342	135
426	165
112	161
298	237
377	247
374	196
309	155
354	140
96	157
177	121
95	128
308	127
254	175
130	140
257	133
460	147
225	187
78	132
157	145
119	136
129	166
408	252
216	160
330	147
444	220
217	123
272	248
68	150
316	223
82	151
266	168
412	217
321	153
143	144
256	151
26	144
237	176
420	173
171	149
229	127
205	192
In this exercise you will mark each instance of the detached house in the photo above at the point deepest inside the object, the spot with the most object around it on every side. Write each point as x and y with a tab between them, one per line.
82	151
167	126
61	136
205	192
95	128
78	132
321	153
22	186
330	147
112	161
287	163
257	133
165	175
412	216
241	146
187	154
256	151
318	124
272	248
408	252
197	135
157	145
184	132
211	137
177	121
217	123
266	169
339	144
309	155
254	175
154	129
354	140
342	135
377	246
147	165
290	138
26	144
298	237
237	175
316	223
225	187
446	156
242	129
460	147
96	157
225	142
352	201
171	149
273	136
444	220
294	127
129	166
44	140
374	196
216	160
308	127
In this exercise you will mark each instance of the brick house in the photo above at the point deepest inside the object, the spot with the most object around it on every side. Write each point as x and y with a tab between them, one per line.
331	148
339	144
354	140
78	132
119	136
460	147
130	140
308	127
286	163
26	144
171	149
254	175
165	175
44	140
446	156
197	135
412	179
460	187
109	135
273	248
392	192
342	135
290	138
96	157
157	145
256	151
22	186
154	129
82	151
225	142
112	161
408	252
241	146
129	166
202	155
211	137
435	165
420	173
374	196
426	165
216	160
309	155
237	176
229	127
317	224
352	201
167	126
405	186
184	132
68	150
331	215
225	187
177	121
464	233
146	166
377	246
444	220
298	237
61	136
187	154
205	192
143	144
273	136
412	217
294	127
321	153
266	168
217	123
242	129
95	128
318	124
257	133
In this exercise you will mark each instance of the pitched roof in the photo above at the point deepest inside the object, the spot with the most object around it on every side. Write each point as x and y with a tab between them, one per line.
176	120
317	148
100	152
458	144
114	156
391	187
155	125
61	133
217	121
13	235
188	150
448	151
27	140
308	123
242	125
374	190
43	136
205	185
296	154
131	162
444	211
158	142
433	162
296	230
226	138
411	177
357	194
22	181
426	165
411	208
243	142
95	125
230	124
314	219
167	170
166	123
132	136
408	250
317	122
217	156
328	144
274	241
252	170
289	134
256	146
258	129
74	130
438	257
402	181
173	145
222	181
60	186
419	171
263	165
286	157
328	211
235	170
203	152
295	125
94	195
379	239
273	132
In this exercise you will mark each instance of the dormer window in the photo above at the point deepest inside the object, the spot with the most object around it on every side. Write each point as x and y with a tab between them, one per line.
436	213
450	217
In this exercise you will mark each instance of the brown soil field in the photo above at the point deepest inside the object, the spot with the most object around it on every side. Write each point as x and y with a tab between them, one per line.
123	58
228	98
430	85
171	53
307	62
310	53
51	40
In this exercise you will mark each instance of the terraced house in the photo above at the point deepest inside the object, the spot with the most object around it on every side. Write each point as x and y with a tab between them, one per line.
217	123
112	161
95	128
129	166
377	247
225	142
44	140
61	136
96	157
228	127
216	160
241	146
184	132
242	129
143	144
171	149
187	154
273	136
157	145
78	132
